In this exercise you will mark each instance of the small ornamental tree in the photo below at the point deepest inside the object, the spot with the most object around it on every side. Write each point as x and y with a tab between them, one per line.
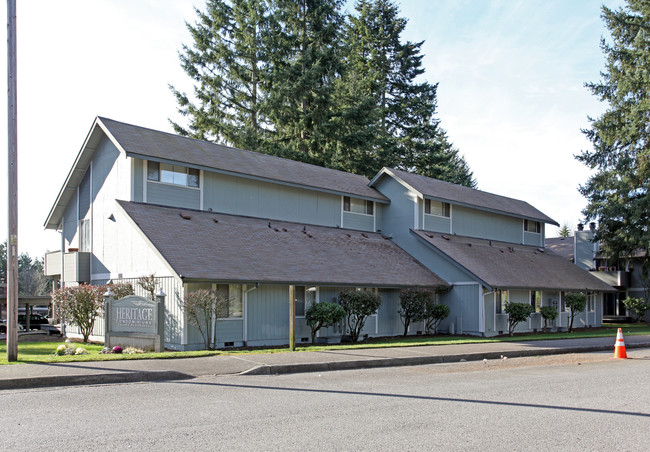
638	305
358	305
549	313
202	308
81	305
577	302
434	313
148	284
412	303
323	315
517	312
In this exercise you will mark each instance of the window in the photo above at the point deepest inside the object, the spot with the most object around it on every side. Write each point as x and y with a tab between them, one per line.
536	299
173	174
356	205
234	307
501	301
562	305
300	301
532	226
438	208
84	235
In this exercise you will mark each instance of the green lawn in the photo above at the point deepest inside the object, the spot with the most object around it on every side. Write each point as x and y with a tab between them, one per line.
44	351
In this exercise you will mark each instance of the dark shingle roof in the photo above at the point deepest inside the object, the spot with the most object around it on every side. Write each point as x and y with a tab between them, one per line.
508	266
458	194
221	247
564	246
149	143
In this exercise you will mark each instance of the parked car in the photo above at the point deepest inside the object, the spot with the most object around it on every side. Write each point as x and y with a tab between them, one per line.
35	321
3	326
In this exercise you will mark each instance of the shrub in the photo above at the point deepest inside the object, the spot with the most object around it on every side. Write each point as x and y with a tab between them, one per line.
202	308
358	305
434	314
117	349
577	302
80	305
323	315
549	313
517	312
412	302
639	305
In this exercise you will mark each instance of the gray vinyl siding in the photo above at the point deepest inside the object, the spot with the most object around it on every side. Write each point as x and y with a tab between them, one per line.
389	323
463	302
241	196
84	195
267	315
490	315
358	221
69	230
435	223
398	218
533	239
173	195
485	225
584	250
138	180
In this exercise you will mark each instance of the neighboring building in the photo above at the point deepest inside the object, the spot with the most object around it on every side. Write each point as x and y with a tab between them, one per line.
625	275
201	215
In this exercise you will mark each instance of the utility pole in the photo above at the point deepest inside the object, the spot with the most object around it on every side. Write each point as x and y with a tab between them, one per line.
12	136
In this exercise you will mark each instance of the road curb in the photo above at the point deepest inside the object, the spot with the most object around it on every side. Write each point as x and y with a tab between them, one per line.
92	379
277	369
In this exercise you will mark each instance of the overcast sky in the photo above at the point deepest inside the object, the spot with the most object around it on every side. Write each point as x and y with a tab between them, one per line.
511	90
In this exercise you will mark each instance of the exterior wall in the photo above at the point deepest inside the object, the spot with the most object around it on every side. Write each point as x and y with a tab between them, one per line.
139	178
358	221
533	239
400	216
241	196
485	225
173	195
584	249
464	317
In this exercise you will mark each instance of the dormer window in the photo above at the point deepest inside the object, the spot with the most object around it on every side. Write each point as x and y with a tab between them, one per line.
356	205
532	226
173	174
438	208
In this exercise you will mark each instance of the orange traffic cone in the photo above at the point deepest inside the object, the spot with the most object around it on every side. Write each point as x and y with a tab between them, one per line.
619	347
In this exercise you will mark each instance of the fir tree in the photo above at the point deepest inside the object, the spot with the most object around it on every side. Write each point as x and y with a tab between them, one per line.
618	191
227	61
407	134
305	63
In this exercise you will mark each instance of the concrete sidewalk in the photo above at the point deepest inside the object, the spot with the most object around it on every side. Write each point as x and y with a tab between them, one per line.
37	375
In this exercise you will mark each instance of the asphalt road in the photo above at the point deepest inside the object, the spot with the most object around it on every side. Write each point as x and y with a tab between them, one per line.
573	402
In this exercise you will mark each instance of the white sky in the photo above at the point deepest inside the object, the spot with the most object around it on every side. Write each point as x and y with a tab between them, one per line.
510	94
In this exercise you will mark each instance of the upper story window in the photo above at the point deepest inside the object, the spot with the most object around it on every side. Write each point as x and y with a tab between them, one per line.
438	208
356	205
173	174
532	226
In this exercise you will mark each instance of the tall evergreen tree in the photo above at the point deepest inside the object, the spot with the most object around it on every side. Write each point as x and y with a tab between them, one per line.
227	61
408	135
618	191
304	65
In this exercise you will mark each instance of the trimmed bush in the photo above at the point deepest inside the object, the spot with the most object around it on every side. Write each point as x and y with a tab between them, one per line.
549	313
638	305
323	315
577	302
517	313
358	305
